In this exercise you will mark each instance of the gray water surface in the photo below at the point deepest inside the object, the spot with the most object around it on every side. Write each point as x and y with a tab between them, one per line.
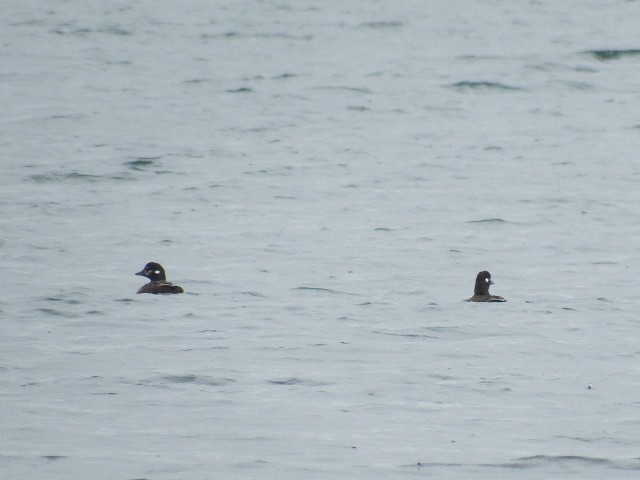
324	179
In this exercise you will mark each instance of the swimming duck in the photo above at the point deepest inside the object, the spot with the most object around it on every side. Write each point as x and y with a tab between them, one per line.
481	290
158	280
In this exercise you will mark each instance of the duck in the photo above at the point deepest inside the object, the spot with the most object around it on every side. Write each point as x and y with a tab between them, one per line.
481	290
158	280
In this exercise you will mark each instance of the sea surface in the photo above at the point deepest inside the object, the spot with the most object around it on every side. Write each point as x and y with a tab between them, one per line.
325	180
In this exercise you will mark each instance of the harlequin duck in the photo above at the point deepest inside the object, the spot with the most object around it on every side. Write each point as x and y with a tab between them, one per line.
158	284
481	290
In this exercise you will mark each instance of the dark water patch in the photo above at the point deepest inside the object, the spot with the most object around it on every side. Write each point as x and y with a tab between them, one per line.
86	31
240	36
28	23
53	458
482	58
285	197
253	464
284	76
605	55
204	349
347	89
80	32
125	300
408	292
439	333
492	86
538	460
420	178
440	376
120	63
581	86
358	108
297	381
582	439
488	220
59	299
450	332
82	176
142	163
115	31
383	229
197	81
56	313
253	294
382	24
322	290
240	90
198	380
368	304
60	177
406	335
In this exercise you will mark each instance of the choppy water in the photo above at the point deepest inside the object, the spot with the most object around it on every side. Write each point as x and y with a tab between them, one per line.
325	180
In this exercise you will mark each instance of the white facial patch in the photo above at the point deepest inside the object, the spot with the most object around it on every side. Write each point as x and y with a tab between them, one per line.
486	280
157	272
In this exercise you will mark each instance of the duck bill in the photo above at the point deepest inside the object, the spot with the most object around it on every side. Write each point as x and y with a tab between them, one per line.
490	281
141	273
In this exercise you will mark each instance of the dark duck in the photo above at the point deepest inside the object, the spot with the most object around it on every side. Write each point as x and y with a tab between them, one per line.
481	290
158	280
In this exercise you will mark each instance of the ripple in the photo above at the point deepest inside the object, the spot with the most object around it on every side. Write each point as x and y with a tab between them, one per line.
322	290
53	458
297	381
197	380
56	313
141	163
468	85
605	55
536	461
488	220
59	299
406	335
542	459
382	24
240	90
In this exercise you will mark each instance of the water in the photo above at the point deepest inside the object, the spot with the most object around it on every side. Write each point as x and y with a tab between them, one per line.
325	181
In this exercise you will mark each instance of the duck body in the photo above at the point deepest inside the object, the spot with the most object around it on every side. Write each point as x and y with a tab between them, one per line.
158	280
481	289
160	287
